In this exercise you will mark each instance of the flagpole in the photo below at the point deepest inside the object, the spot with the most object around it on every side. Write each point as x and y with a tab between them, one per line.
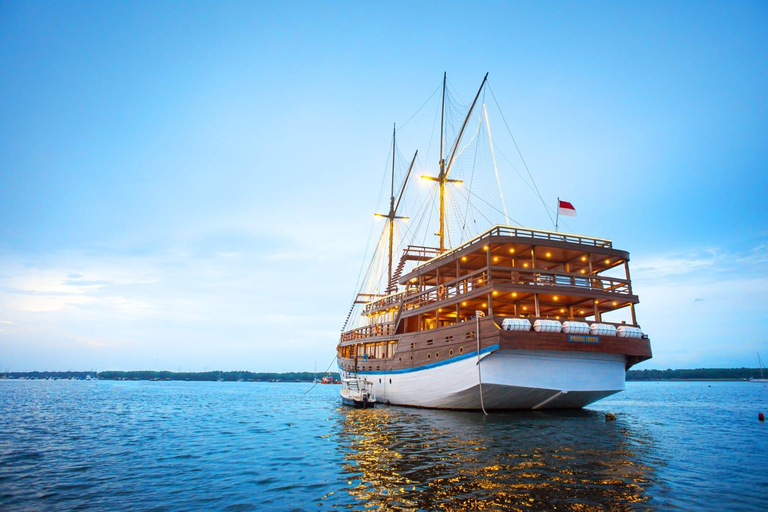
557	215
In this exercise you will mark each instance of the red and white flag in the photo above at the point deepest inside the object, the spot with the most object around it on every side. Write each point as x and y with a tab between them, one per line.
566	208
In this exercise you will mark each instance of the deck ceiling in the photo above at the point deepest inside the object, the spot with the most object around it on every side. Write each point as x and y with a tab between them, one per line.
516	254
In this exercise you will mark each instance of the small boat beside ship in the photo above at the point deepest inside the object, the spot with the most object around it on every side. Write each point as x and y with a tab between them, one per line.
511	318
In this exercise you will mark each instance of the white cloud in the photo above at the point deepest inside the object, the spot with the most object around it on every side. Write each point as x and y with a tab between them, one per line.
705	309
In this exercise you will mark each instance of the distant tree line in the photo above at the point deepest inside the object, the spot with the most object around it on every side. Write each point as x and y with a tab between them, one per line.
49	375
698	373
213	376
632	375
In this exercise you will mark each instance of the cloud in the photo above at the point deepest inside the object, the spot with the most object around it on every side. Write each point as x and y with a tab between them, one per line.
178	305
703	309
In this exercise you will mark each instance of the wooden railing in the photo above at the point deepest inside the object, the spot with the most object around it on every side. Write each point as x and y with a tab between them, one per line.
385	329
466	284
549	236
516	276
417	252
540	277
384	303
536	279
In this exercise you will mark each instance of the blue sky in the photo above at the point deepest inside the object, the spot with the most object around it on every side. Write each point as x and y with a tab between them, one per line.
190	185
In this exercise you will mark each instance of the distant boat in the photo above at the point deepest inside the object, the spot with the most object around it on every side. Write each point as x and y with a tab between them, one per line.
328	379
762	377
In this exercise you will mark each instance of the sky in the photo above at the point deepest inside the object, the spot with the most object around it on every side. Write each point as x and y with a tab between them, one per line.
190	185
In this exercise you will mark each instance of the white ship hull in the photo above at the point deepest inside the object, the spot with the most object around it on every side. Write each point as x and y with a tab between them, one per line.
511	379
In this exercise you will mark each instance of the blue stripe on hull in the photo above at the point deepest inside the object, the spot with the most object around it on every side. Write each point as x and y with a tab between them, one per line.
433	365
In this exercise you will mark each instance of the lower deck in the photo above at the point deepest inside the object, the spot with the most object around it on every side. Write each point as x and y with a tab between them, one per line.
443	345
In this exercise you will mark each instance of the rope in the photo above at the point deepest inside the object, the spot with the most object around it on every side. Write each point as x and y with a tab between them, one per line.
479	376
521	155
493	156
422	106
326	371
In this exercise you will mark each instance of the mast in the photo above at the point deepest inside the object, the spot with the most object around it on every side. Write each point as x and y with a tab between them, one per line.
442	178
441	181
391	210
392	215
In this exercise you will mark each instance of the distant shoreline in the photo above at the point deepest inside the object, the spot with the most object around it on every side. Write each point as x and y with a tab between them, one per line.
150	375
699	374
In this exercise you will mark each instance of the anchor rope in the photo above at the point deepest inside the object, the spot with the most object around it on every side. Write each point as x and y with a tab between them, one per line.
479	375
326	371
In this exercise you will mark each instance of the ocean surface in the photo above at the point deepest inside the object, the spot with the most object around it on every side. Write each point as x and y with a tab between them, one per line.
67	445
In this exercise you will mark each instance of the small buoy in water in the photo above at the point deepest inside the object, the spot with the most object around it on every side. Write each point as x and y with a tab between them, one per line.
760	417
609	416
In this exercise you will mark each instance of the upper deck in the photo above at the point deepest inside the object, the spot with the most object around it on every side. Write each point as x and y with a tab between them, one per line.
507	271
524	236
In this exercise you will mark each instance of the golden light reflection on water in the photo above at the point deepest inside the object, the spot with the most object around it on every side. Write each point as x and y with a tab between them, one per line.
398	458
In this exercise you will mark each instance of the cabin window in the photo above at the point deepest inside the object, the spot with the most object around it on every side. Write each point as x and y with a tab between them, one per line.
461	350
450	353
429	356
429	342
437	354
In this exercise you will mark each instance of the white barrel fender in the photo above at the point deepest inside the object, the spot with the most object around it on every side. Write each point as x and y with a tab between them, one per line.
627	331
602	330
571	327
516	324
547	326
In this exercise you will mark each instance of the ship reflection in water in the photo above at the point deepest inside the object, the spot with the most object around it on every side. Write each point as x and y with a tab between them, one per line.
430	459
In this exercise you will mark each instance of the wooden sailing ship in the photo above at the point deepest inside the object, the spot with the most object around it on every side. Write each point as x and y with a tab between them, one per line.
509	319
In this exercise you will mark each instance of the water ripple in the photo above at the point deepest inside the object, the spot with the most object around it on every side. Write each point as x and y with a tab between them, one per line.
248	446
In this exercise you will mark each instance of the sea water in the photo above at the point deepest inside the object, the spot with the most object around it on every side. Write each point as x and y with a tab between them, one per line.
283	446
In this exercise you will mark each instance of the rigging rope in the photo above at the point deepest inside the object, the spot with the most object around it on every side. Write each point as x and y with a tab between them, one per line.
521	155
493	156
422	106
489	221
490	206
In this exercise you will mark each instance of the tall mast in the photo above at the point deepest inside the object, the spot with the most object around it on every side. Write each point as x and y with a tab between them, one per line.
442	178
442	117
392	215
391	210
